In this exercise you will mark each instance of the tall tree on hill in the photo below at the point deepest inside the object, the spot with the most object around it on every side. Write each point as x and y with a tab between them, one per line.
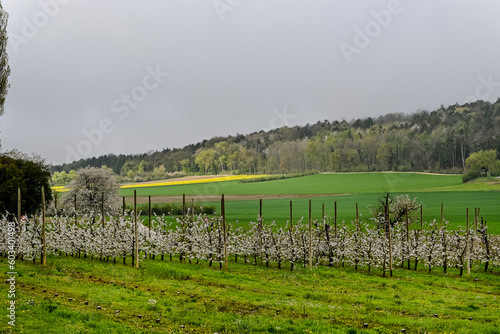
4	59
481	163
206	160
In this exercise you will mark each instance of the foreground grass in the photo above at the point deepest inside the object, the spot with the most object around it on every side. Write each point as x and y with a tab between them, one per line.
194	298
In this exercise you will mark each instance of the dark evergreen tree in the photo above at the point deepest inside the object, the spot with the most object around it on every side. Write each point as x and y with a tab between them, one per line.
28	174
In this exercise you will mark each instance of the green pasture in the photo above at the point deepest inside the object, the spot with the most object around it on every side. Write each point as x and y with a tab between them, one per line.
366	189
454	203
72	295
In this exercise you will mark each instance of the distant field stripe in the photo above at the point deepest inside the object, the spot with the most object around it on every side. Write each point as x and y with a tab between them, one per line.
312	184
207	180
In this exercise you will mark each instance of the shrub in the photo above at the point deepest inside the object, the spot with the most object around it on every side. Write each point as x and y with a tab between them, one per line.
470	175
27	173
173	209
277	177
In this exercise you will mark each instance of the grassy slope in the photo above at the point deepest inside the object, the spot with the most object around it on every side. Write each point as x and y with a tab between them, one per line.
484	184
248	299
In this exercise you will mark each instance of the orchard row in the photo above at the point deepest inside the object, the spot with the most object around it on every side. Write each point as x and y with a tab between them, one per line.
371	245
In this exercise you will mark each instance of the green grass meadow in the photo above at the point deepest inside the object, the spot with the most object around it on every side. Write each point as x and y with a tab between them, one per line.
98	297
454	203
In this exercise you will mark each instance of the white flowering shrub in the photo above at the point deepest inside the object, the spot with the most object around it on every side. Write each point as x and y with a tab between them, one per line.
91	186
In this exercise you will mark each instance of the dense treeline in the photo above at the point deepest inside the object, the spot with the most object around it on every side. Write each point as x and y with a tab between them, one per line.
437	141
325	242
27	174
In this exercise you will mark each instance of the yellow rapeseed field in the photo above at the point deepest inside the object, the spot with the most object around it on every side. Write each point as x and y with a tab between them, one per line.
173	183
207	180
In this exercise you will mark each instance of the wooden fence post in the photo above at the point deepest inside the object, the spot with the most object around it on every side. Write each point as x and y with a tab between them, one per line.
390	237
44	244
335	220
19	213
310	235
291	237
102	209
467	243
123	206
183	207
323	213
132	253
476	216
441	221
335	229
74	207
260	230
443	231
192	210
408	237
19	208
223	209
136	235
149	216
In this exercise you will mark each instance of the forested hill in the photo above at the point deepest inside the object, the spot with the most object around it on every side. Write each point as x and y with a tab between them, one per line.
437	141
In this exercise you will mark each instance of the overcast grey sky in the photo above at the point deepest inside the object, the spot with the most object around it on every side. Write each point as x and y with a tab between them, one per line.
92	77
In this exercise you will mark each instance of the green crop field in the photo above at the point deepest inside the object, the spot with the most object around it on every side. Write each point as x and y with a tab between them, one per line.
365	189
98	297
455	204
312	184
